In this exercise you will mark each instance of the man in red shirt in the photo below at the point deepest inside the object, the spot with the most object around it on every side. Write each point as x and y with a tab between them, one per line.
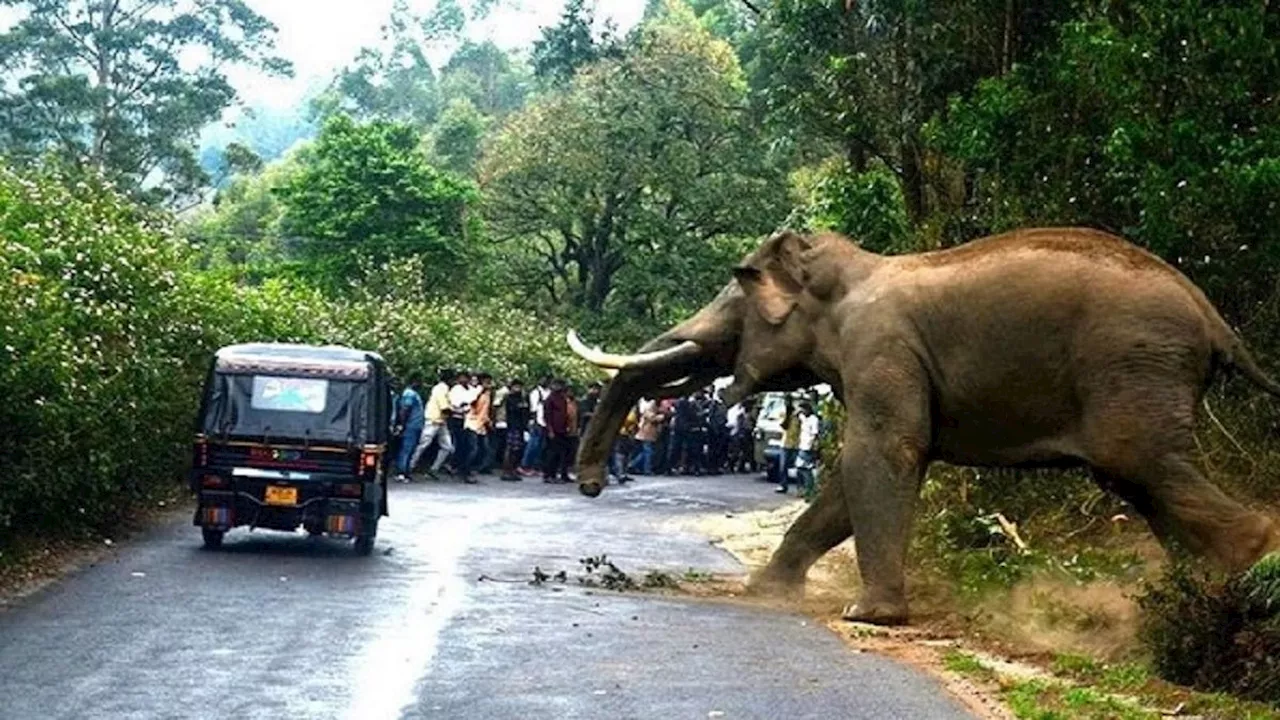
556	460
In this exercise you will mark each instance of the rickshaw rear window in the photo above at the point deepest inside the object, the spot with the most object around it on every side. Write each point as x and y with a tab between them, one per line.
288	394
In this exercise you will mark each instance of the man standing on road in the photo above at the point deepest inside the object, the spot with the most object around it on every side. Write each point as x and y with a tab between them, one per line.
717	434
587	406
534	451
517	412
475	430
807	458
437	429
411	418
555	412
498	437
649	427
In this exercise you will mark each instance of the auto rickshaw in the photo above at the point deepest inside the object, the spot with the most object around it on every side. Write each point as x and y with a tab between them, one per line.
293	435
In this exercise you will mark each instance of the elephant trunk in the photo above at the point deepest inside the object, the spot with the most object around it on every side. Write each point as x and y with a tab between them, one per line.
682	375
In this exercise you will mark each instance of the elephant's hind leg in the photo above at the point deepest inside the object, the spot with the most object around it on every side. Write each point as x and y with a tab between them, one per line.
1185	509
1149	464
822	526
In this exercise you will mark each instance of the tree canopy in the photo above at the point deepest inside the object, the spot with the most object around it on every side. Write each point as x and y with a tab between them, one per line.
367	192
630	184
104	84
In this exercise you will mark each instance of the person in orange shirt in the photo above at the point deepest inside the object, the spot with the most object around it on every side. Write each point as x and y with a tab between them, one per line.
475	430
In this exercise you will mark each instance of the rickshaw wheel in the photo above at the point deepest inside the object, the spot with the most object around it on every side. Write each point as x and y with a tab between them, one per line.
364	545
212	538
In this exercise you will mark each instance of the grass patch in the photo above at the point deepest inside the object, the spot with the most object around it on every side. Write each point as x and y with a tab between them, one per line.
958	661
1042	700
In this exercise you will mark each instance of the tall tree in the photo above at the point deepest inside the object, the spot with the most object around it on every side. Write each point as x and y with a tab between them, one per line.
630	186
109	83
395	82
865	78
576	41
486	76
368	192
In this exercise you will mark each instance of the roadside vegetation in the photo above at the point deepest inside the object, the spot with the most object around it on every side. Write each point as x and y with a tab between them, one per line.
470	211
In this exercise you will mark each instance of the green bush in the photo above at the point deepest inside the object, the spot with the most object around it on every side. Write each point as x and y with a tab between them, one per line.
866	206
1215	634
107	329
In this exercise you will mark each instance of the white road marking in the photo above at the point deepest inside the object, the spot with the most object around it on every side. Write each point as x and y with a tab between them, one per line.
389	668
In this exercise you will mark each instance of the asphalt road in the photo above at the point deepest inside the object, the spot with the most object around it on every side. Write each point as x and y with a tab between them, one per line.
280	626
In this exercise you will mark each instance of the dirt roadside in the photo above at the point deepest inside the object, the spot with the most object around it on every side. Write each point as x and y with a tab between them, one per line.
935	631
35	564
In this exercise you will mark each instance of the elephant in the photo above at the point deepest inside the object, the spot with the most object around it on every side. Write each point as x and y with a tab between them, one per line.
1039	347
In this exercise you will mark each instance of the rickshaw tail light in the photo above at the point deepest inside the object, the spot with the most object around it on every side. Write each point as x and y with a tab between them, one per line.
212	481
349	490
369	460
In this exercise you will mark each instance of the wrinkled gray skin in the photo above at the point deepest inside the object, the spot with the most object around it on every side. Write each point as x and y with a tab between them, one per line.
1046	347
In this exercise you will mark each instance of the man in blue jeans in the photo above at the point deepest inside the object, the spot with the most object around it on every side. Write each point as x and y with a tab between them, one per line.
807	457
412	418
532	461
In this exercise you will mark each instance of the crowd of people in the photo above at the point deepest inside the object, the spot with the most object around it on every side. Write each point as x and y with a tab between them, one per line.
472	426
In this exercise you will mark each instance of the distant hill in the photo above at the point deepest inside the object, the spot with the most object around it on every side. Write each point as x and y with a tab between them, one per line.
268	132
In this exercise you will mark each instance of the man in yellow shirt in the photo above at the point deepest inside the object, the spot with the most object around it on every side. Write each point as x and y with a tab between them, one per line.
437	428
790	445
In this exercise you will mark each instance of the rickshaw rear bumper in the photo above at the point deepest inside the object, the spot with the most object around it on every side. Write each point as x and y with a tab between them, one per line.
317	505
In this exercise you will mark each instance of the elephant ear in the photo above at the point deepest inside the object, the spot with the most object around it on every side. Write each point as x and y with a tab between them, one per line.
775	278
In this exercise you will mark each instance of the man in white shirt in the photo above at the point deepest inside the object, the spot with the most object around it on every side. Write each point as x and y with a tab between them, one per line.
807	457
461	395
532	460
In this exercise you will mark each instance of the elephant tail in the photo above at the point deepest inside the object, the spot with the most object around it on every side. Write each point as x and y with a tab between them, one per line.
1234	353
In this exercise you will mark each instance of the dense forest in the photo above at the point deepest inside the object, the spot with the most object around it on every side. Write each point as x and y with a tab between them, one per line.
469	211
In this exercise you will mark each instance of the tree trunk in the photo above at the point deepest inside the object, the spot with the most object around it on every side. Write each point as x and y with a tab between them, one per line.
913	181
100	44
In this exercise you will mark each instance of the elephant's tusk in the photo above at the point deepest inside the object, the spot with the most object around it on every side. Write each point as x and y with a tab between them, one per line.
679	388
613	361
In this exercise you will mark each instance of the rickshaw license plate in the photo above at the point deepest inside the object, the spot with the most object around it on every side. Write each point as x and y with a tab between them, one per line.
282	495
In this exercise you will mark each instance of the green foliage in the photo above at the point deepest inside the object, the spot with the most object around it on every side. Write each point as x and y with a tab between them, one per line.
456	139
573	43
396	83
865	206
368	191
1156	120
112	85
240	229
1215	634
108	327
962	662
96	353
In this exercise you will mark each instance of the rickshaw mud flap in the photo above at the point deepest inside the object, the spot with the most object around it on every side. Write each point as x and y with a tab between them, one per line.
217	500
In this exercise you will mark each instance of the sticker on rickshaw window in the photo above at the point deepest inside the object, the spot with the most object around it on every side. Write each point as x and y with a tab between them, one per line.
289	394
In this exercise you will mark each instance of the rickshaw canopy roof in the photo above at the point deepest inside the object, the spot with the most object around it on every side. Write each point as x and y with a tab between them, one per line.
331	361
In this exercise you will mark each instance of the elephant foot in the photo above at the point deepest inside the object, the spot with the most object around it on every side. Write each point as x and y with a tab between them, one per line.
878	613
591	480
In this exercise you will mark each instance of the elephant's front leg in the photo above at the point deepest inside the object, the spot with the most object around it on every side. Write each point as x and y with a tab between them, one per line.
822	526
884	458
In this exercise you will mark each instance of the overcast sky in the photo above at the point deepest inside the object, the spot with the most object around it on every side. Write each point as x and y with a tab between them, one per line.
320	36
